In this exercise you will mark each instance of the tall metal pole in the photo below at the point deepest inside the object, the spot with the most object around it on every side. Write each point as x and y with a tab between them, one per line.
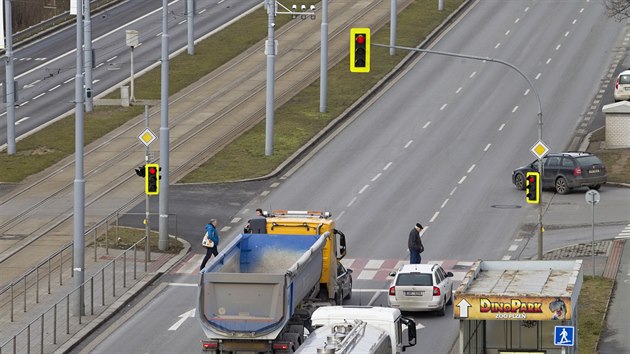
392	29
79	181
132	96
164	135
10	79
87	26
540	115
539	229
190	15
147	210
271	51
323	74
593	234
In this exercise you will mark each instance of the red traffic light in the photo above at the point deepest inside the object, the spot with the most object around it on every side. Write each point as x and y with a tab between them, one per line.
360	39
152	170
531	179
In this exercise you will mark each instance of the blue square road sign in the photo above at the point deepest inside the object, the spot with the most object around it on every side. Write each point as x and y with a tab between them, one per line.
564	336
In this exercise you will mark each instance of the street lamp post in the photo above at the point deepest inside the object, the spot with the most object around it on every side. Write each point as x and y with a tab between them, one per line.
10	86
271	51
539	228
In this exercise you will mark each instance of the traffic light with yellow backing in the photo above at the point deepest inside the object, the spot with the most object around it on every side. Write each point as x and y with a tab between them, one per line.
152	179
360	50
532	187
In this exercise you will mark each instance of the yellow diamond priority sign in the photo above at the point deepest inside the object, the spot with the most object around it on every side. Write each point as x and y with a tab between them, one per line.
539	149
147	137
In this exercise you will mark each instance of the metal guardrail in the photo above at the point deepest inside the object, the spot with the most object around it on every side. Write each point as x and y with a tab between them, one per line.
26	35
56	324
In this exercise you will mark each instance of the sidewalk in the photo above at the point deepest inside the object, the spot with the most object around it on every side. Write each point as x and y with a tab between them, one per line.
42	314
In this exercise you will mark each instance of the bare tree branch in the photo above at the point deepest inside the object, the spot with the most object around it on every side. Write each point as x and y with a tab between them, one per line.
617	9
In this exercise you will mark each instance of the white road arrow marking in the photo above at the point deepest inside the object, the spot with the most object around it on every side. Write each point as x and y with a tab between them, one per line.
463	308
419	325
184	316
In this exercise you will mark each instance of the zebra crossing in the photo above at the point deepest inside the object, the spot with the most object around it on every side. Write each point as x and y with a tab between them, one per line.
379	269
362	268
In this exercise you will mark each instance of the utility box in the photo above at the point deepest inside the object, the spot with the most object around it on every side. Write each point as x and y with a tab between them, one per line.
131	37
507	307
124	96
617	124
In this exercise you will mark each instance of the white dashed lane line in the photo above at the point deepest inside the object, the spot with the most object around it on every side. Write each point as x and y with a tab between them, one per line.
408	144
487	147
387	166
376	177
502	126
426	125
364	188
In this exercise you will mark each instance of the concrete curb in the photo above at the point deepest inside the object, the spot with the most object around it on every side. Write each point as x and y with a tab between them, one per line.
317	141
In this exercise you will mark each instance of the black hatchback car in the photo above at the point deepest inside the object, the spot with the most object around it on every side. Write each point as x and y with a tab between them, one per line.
564	171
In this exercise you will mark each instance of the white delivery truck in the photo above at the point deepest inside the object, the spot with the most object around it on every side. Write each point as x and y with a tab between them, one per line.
358	330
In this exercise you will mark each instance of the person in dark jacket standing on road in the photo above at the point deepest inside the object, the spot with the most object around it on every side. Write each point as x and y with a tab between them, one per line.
213	235
415	245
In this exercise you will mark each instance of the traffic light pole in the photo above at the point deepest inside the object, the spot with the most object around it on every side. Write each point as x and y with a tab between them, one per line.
147	212
539	228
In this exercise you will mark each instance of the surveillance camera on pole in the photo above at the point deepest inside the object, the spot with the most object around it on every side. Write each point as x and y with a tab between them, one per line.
293	11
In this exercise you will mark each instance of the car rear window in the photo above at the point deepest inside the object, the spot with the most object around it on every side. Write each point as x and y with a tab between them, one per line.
417	279
624	79
589	160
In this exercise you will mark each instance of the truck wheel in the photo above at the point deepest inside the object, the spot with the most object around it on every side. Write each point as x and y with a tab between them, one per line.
299	330
294	338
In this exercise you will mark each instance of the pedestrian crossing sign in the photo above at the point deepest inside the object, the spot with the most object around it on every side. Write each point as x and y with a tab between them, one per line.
564	336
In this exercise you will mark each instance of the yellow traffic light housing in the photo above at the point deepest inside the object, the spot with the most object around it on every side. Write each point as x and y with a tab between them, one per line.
532	187
360	50
152	179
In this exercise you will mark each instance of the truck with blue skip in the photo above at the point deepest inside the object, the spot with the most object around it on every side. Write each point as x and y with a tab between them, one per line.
258	294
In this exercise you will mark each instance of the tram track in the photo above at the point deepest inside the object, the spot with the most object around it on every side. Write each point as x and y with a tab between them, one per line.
186	119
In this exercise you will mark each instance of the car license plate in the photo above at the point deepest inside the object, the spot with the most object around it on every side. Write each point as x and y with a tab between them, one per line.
414	293
593	171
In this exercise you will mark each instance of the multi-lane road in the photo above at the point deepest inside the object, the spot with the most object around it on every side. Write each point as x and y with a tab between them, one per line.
438	148
45	69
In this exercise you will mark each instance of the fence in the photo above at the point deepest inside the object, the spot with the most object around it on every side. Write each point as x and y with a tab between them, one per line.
108	276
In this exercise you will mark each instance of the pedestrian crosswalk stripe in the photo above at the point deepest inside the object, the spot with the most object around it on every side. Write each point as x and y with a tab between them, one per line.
362	268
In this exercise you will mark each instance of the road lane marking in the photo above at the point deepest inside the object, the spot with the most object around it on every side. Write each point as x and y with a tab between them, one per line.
426	125
434	216
376	177
462	180
408	143
444	203
502	126
487	147
387	166
471	168
364	188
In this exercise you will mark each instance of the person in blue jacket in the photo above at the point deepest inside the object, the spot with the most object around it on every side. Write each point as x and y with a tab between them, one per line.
213	235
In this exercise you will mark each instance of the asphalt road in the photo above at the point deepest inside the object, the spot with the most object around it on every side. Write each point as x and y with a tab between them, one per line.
45	69
438	148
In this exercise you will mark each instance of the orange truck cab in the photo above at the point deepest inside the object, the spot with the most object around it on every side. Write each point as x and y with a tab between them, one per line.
290	222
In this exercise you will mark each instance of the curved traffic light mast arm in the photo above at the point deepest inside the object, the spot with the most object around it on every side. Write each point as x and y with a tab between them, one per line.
540	115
